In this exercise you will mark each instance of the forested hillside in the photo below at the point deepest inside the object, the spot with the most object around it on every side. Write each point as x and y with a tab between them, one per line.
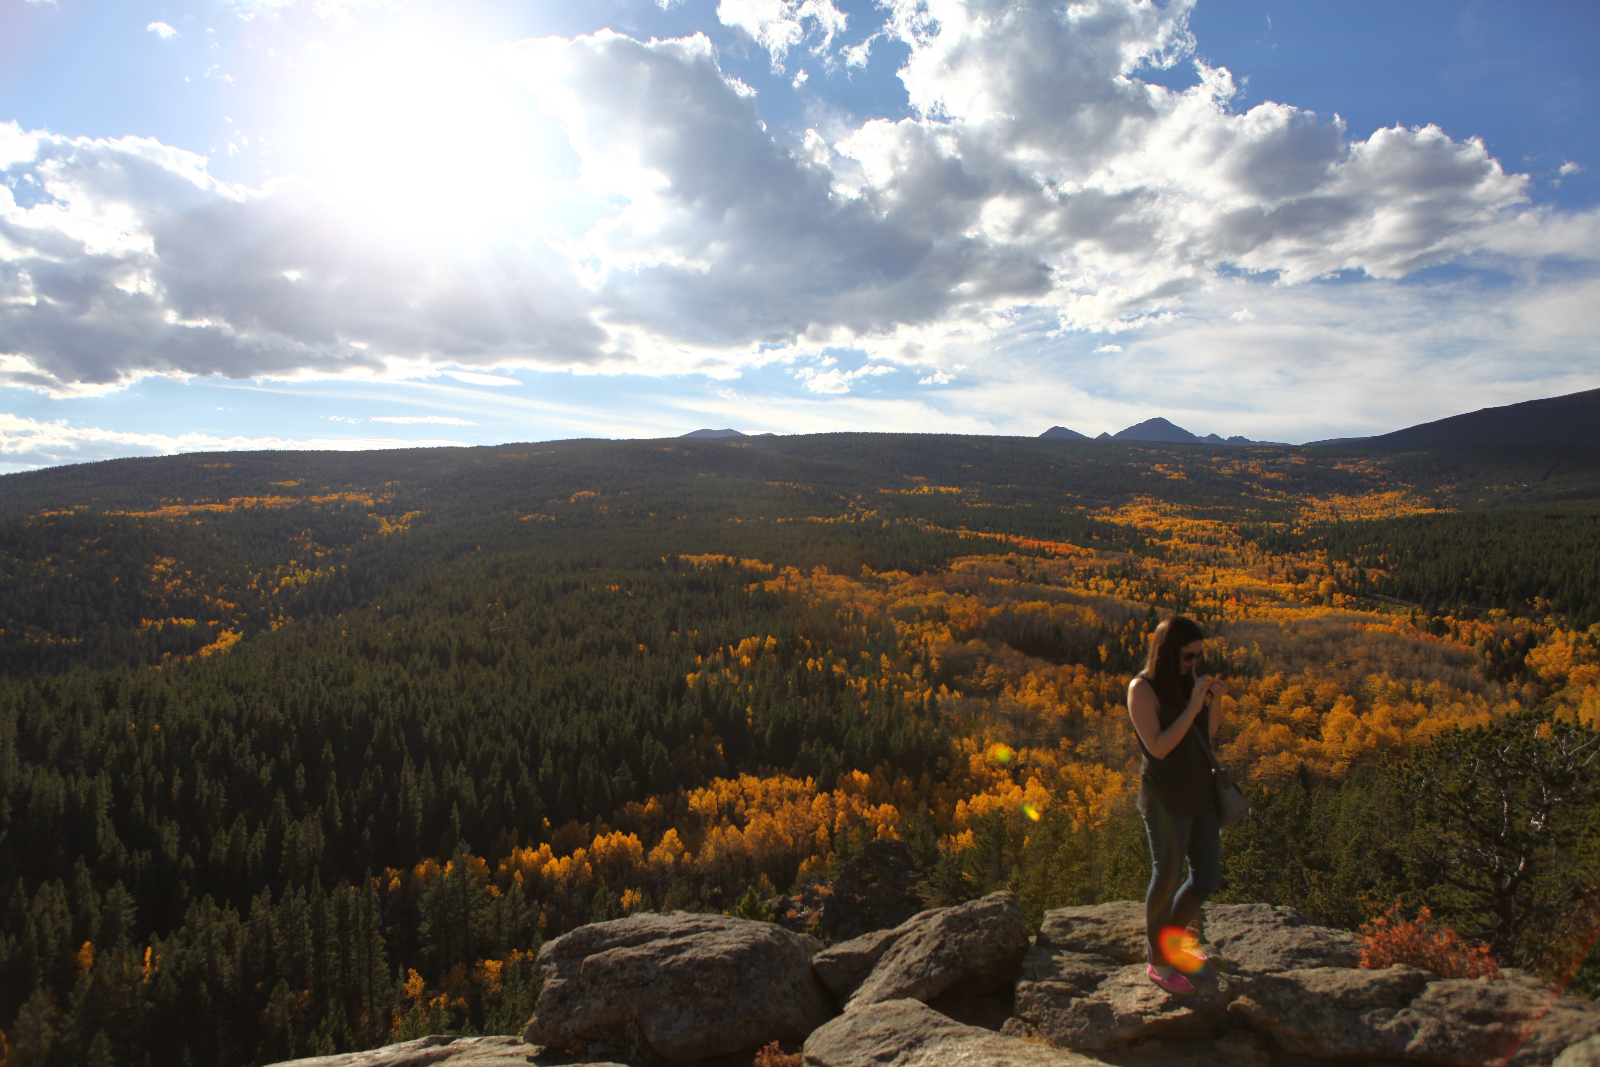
303	753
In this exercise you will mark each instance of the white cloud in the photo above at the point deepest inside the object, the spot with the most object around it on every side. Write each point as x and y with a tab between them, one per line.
779	25
27	443
162	30
137	262
1570	167
1108	348
1041	186
1242	315
1039	173
410	420
835	380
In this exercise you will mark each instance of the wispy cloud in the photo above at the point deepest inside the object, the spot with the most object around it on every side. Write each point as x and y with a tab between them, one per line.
162	30
474	378
411	420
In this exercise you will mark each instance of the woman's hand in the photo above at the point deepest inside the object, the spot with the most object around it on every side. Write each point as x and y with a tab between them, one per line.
1214	689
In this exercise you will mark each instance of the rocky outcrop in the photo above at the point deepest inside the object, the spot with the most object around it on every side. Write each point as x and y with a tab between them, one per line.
1262	939
431	1051
688	986
1401	1013
1083	1004
843	967
970	949
1272	971
908	1033
1279	991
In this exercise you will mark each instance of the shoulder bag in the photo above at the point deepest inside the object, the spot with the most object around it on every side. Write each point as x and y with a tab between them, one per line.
1231	804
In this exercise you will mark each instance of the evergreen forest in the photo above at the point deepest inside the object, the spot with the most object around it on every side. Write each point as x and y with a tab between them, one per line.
303	752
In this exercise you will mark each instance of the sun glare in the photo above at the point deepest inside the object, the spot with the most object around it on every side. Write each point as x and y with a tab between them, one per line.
419	133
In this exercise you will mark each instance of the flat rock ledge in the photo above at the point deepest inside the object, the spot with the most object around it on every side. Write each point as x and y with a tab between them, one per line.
428	1051
908	1033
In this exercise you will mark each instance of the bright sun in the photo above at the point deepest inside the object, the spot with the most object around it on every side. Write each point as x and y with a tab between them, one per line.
411	129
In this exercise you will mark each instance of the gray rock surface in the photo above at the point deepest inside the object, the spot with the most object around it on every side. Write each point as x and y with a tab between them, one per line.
1114	930
908	1033
1583	1054
427	1051
1572	1025
1088	1002
972	948
843	967
1262	939
689	986
1401	1013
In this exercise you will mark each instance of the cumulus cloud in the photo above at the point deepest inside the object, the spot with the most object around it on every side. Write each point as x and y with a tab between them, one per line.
29	443
779	25
1040	184
1038	172
162	30
125	258
835	380
411	420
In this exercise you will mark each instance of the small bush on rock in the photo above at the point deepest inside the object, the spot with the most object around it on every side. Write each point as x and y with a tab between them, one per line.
772	1056
1390	939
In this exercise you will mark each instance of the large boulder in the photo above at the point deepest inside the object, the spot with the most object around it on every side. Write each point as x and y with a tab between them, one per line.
843	967
688	986
1406	1014
1263	939
1246	938
968	950
1114	931
431	1051
908	1033
1083	1001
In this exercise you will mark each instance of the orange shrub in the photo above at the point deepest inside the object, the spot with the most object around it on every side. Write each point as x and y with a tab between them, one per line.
772	1056
1390	939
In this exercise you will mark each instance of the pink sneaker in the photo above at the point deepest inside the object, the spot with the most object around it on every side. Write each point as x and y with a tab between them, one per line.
1172	983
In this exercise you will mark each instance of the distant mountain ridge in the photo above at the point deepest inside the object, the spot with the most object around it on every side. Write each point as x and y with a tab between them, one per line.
723	433
1156	429
1573	419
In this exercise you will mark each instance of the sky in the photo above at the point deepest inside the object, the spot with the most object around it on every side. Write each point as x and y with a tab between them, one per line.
348	224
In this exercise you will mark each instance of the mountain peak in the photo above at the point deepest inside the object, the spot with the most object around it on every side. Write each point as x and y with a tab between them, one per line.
1156	429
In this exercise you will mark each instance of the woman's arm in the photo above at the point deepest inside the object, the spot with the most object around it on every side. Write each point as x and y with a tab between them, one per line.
1214	706
1144	709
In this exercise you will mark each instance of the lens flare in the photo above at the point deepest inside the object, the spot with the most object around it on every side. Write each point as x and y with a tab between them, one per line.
1002	754
1030	811
1180	949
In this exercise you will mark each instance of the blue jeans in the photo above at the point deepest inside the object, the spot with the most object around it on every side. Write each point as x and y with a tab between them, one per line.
1172	838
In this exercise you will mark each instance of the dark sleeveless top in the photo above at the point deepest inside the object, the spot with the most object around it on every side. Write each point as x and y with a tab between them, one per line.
1182	781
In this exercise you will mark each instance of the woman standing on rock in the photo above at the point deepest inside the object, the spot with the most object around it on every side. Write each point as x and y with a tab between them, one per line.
1175	792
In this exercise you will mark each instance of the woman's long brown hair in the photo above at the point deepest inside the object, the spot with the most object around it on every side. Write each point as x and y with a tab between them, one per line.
1171	683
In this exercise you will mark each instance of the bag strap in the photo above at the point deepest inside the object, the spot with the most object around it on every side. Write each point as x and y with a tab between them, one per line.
1205	741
